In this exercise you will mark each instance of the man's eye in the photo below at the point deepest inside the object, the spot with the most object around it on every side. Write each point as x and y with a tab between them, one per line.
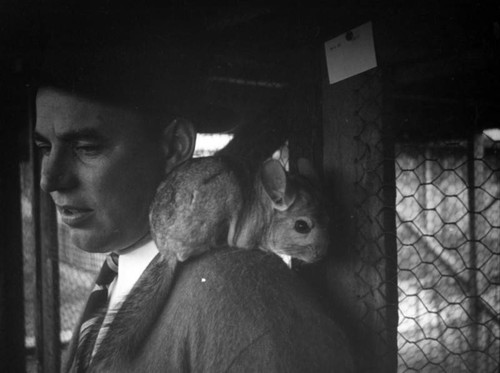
88	150
43	148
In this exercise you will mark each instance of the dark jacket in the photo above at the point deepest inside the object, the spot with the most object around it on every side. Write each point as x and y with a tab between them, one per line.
228	311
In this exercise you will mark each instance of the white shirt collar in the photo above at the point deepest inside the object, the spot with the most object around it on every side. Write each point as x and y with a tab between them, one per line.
130	267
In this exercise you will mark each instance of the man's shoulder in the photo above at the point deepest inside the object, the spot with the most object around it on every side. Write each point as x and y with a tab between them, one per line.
248	300
233	271
247	284
232	262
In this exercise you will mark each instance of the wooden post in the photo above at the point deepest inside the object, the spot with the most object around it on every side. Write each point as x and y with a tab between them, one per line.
389	231
361	275
12	354
48	347
474	152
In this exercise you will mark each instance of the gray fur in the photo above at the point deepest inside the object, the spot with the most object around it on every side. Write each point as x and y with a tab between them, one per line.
212	201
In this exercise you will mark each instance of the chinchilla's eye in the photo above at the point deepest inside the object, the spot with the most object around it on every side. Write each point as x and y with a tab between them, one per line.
302	226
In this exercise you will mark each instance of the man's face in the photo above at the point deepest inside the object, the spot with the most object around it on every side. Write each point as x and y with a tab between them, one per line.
101	168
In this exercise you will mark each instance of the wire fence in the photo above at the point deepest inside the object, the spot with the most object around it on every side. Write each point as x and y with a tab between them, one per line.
448	226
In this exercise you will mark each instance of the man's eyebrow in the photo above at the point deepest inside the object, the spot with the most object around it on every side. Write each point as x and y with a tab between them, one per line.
39	137
74	135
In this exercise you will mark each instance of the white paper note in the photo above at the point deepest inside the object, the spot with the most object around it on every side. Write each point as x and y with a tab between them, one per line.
351	53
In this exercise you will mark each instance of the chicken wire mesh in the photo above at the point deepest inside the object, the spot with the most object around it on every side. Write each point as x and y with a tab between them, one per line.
448	226
447	215
419	124
441	81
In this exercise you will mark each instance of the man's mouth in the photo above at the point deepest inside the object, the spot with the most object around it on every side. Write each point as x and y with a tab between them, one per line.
74	216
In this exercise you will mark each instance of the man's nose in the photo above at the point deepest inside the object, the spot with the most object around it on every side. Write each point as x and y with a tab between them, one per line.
57	173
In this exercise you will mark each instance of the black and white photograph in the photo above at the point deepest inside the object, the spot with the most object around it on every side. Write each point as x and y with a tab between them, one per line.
249	186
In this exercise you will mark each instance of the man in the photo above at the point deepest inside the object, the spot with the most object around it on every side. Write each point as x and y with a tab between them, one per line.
107	137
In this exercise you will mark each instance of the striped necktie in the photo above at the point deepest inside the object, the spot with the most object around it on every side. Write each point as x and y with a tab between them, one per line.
92	314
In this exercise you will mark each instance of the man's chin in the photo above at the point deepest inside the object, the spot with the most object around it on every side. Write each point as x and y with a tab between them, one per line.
105	244
90	244
92	249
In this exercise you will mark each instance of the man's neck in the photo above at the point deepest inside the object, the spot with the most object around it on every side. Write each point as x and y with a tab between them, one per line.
142	241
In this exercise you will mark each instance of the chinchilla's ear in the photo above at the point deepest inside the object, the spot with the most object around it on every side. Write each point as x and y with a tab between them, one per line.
274	180
306	169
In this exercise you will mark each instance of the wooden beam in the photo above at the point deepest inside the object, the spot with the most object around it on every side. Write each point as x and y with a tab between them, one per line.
12	354
360	179
48	349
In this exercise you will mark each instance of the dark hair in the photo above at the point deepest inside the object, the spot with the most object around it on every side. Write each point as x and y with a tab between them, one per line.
124	59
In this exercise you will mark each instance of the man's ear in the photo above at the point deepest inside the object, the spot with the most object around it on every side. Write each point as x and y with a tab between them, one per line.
178	141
